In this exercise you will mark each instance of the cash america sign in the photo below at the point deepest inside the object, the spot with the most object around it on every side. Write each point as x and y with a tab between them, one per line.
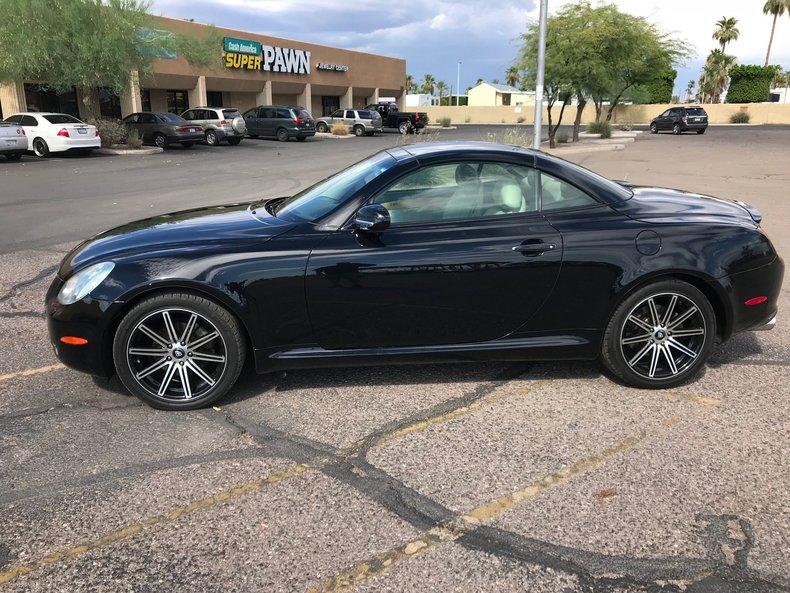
241	54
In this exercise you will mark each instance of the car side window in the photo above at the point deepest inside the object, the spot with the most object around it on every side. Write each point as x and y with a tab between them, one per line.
14	119
556	194
338	113
131	119
350	115
29	120
666	113
461	190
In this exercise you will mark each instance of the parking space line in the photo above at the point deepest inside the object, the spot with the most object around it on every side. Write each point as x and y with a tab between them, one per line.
29	372
129	531
463	524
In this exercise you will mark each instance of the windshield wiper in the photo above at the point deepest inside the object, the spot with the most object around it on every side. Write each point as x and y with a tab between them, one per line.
271	205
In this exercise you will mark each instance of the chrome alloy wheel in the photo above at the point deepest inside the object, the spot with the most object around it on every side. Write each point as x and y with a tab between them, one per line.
662	336
176	354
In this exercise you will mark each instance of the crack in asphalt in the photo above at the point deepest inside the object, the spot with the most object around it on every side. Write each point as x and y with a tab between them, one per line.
15	288
15	314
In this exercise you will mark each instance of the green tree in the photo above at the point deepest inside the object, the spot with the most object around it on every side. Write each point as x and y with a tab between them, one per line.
90	43
512	76
689	90
409	83
715	75
726	31
441	86
428	83
777	8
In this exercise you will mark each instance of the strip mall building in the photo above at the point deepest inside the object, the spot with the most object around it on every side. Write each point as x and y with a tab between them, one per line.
256	70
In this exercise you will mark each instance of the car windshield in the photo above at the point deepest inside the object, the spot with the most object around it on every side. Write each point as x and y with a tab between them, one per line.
302	113
61	118
695	111
322	198
172	118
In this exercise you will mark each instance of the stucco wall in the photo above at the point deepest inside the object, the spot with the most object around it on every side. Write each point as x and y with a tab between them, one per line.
765	113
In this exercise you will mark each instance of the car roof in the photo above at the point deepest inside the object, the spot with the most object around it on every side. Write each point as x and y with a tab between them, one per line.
207	107
424	149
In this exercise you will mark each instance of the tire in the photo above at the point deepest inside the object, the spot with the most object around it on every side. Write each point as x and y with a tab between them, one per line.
644	359
404	127
225	353
676	130
702	131
359	131
234	141
211	138
282	134
187	144
160	141
14	156
301	138
40	147
653	128
321	127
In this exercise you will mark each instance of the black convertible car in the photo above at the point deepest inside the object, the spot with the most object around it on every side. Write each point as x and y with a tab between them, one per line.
432	252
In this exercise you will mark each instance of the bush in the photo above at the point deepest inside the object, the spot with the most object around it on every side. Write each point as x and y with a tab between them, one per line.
659	90
134	140
740	117
604	128
750	84
521	119
111	131
444	122
562	138
339	130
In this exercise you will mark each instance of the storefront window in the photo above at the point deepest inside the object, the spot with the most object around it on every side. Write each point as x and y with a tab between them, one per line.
145	99
40	97
109	103
177	101
329	105
214	98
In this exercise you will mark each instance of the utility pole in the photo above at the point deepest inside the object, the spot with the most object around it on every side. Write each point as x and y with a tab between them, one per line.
458	85
544	10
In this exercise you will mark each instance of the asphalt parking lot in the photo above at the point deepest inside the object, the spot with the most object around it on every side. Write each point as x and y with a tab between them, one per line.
540	477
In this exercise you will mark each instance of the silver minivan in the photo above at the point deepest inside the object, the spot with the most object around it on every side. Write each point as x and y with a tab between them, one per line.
218	123
359	121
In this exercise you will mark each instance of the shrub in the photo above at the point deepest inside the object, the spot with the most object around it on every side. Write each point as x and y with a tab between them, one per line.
134	140
604	128
339	130
740	117
659	90
444	122
750	84
562	138
520	119
111	131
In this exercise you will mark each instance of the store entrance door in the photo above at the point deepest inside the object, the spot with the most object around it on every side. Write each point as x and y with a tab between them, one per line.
329	105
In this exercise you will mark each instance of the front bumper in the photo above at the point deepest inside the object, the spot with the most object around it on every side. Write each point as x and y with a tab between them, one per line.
765	281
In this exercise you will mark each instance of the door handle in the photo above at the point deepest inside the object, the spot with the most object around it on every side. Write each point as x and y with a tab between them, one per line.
534	248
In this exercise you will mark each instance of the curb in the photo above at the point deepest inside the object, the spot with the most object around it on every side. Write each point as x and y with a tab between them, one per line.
438	128
584	149
129	151
331	136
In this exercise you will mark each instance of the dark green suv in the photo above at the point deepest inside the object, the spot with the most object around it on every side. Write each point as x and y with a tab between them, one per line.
279	121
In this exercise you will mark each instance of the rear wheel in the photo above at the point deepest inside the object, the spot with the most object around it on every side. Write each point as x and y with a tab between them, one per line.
160	140
404	127
321	127
653	128
14	156
702	131
211	138
234	141
40	147
359	131
660	336
676	129
282	134
178	351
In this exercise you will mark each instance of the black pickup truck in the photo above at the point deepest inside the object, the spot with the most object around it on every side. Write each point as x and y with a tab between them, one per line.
404	121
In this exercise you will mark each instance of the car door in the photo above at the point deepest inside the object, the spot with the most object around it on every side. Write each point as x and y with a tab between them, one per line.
349	118
468	258
147	126
664	119
336	117
32	129
132	123
251	118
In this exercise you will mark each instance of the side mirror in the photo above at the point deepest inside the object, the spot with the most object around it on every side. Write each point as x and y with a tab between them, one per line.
372	218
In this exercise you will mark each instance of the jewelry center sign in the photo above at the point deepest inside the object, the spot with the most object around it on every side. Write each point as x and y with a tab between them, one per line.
241	54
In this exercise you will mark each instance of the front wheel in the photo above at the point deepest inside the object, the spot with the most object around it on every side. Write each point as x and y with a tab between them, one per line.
211	138
178	351
321	127
653	128
40	147
676	130
660	336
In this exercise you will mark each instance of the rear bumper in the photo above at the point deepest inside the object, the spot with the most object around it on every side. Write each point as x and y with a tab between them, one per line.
73	144
693	126
301	133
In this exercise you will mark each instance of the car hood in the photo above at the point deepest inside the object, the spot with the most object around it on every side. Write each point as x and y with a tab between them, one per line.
658	204
197	228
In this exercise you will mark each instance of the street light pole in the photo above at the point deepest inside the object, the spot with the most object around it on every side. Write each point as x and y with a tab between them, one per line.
458	85
544	10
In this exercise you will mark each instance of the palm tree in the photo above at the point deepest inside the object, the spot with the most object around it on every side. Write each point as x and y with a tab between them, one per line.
776	8
441	86
717	70
689	90
428	83
511	76
409	83
726	31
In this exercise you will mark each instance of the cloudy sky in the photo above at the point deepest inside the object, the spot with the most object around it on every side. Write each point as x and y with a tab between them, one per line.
433	35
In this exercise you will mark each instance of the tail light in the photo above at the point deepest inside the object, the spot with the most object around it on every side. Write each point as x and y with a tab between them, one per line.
182	130
224	122
298	121
416	117
64	133
97	132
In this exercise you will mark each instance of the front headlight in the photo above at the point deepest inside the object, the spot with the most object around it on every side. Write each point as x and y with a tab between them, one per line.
82	283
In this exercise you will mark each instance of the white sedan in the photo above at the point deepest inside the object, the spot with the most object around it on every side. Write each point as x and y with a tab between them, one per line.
56	132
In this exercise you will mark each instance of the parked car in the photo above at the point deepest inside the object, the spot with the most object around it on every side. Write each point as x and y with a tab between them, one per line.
13	142
56	132
680	119
218	123
164	128
359	121
428	252
405	122
279	121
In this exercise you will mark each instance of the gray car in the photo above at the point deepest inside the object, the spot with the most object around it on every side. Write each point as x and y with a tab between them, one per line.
279	121
359	121
13	142
218	123
163	129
